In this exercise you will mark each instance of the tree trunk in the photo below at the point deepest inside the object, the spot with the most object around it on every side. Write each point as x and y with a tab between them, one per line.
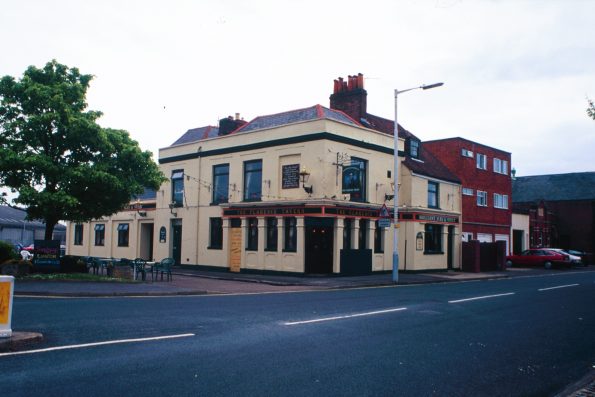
49	229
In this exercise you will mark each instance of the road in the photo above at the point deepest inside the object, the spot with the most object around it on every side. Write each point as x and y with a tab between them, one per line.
515	337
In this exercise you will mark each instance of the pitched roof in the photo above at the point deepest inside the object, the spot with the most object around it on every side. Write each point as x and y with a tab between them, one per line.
429	165
315	112
11	216
556	187
385	125
197	134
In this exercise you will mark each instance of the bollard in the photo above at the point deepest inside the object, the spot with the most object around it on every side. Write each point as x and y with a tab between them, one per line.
6	293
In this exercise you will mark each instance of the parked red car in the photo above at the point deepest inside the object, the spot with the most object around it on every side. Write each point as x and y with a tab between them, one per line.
538	257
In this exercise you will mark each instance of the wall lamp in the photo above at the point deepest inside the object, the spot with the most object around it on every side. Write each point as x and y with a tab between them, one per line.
304	176
173	205
142	213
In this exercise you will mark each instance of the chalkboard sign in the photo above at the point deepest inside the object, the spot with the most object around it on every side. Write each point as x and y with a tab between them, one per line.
162	234
290	176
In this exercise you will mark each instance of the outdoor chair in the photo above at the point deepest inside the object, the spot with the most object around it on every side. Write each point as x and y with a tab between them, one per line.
165	267
140	265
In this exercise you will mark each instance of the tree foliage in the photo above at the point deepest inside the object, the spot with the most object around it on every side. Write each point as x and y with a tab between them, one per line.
63	165
591	109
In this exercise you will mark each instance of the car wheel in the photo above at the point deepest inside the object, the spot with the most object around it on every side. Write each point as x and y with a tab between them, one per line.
547	265
509	263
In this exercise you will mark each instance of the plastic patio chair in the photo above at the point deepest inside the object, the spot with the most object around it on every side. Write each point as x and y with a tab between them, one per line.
165	267
141	268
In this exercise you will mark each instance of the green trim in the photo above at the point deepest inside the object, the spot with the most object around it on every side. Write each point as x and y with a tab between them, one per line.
284	141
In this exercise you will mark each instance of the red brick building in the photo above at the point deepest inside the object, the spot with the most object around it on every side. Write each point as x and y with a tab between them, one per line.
487	186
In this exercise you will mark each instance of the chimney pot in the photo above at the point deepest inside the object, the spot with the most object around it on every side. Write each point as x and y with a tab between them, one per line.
237	116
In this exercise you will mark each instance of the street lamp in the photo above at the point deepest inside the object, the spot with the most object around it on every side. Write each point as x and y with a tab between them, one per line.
396	178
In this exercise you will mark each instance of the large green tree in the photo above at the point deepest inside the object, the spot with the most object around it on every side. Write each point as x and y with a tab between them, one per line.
63	165
591	109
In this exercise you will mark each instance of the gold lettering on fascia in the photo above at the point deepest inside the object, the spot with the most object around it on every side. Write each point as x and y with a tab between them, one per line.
287	211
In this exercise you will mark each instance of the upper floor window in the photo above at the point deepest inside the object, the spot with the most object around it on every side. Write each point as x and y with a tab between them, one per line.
99	234
467	191
123	235
414	148
482	198
501	166
481	161
220	183
466	153
500	201
177	188
78	234
253	180
433	195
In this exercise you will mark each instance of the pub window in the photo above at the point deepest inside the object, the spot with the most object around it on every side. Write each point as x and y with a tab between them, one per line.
99	234
378	239
363	234
359	185
216	233
177	188
347	229
433	240
290	234
123	235
220	183
433	195
252	237
271	243
252	180
78	234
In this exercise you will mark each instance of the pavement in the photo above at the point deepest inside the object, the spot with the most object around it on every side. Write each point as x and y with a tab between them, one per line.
198	282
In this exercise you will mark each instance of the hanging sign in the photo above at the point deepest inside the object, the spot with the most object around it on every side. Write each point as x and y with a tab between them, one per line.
352	178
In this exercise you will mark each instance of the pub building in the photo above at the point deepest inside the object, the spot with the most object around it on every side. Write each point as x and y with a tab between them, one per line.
303	191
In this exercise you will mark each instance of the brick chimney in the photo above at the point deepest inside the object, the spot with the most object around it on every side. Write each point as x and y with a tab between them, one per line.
350	97
229	124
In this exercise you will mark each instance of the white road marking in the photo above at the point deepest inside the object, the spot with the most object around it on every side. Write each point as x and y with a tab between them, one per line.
480	297
559	286
109	342
318	320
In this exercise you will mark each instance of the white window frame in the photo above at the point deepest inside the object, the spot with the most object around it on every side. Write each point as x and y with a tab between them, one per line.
482	198
500	166
501	201
481	161
466	153
468	191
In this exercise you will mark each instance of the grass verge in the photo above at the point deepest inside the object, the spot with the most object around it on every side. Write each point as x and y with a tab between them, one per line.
72	277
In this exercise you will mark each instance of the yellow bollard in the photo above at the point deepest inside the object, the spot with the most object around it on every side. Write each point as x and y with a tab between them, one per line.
6	293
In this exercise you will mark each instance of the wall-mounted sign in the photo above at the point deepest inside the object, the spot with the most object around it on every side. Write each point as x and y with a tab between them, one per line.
162	234
437	218
419	241
271	211
290	176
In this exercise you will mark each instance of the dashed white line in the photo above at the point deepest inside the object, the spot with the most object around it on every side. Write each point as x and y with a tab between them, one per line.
480	297
559	286
318	320
109	342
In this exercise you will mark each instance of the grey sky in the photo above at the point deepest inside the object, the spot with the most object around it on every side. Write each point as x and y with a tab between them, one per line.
516	73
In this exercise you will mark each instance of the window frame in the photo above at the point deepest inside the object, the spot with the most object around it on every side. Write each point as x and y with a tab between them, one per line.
501	201
99	234
123	234
435	194
347	232
414	146
433	241
378	239
468	189
481	161
272	234
500	166
290	234
78	234
177	180
217	199
247	176
252	234
362	236
482	196
215	233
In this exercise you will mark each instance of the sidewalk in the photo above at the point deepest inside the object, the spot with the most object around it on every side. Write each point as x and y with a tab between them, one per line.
196	282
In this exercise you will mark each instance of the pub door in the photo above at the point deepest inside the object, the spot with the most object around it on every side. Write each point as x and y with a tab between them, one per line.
176	239
319	245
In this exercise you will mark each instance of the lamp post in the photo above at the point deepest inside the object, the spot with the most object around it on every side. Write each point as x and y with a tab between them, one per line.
396	179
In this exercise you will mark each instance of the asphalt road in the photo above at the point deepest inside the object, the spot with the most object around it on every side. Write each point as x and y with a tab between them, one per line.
515	337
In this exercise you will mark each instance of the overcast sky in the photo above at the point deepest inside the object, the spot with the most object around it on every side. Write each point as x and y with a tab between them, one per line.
516	73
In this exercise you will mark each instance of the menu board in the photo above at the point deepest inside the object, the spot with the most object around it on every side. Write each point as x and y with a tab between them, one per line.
290	176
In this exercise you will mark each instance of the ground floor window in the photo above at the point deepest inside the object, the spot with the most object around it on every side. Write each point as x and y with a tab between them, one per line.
378	239
290	234
363	234
216	233
252	238
271	243
347	230
123	235
433	239
99	234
